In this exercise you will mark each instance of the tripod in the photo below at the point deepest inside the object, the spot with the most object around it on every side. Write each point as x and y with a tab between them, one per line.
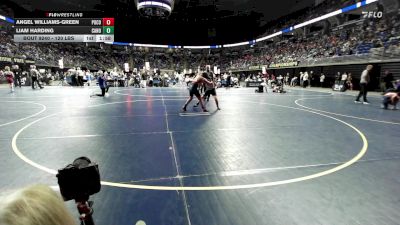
85	211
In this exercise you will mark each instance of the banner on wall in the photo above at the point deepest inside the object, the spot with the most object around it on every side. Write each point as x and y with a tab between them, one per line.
279	65
16	60
254	67
216	70
126	67
61	63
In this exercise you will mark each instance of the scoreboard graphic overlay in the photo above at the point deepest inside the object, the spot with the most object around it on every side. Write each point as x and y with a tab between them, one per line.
64	27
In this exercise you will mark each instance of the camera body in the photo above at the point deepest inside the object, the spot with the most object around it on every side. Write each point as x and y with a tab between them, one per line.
79	180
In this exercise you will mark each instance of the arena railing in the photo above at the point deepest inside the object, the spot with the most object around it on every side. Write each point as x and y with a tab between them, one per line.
377	55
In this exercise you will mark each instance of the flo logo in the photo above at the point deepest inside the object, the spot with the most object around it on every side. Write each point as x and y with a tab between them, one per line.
375	15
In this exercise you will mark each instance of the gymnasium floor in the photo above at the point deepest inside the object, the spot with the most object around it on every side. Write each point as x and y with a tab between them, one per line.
304	157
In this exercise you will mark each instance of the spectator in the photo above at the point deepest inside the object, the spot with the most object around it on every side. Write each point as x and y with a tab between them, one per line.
305	79
388	80
322	79
349	82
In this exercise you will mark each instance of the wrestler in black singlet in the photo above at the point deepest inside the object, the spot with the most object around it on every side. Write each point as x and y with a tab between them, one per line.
194	90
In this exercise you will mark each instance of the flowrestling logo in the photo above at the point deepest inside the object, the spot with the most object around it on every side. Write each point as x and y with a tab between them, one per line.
372	14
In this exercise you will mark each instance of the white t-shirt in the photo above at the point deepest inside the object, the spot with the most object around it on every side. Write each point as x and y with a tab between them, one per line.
35	73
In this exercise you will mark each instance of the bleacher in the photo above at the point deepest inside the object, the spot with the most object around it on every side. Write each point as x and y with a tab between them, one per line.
364	48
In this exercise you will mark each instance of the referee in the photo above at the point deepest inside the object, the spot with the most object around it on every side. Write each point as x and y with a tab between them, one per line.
365	78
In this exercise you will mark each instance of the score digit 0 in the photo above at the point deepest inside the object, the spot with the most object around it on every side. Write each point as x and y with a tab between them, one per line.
108	21
108	30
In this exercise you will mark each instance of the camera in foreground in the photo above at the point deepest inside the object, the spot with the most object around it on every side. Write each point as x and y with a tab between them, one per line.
79	180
